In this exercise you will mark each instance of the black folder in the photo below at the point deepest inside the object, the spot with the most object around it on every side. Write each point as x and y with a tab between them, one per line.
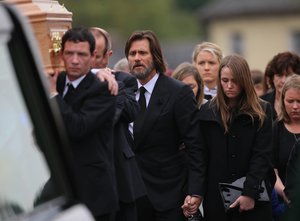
231	191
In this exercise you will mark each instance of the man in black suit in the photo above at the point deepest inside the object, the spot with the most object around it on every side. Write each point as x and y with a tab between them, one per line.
129	181
87	108
167	119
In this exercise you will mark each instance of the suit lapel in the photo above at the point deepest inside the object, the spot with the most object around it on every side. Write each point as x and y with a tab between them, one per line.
83	85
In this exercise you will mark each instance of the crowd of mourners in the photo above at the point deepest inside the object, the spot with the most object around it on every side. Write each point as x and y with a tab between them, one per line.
151	146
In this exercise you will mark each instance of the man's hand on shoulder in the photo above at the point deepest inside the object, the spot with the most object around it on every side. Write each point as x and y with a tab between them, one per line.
105	74
52	80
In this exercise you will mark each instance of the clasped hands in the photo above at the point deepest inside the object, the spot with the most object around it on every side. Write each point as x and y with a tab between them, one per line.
191	205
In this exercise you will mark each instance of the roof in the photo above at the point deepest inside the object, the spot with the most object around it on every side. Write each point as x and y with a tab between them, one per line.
220	9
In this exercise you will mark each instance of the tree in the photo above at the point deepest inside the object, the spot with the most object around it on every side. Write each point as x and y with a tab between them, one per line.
190	5
124	16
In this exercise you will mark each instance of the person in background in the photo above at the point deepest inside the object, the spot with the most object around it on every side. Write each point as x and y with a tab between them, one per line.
87	109
122	65
103	47
188	74
257	79
129	181
278	69
167	118
237	131
206	58
286	131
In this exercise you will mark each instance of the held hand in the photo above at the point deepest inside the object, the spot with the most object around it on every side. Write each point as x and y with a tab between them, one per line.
105	74
244	203
191	205
285	198
52	80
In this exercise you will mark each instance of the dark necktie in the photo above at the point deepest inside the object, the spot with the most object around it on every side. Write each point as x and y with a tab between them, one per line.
142	99
137	125
207	96
69	93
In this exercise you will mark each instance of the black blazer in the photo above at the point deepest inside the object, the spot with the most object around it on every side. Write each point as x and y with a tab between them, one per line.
170	121
129	179
89	124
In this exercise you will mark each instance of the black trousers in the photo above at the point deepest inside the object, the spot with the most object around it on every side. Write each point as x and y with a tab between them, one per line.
146	212
105	217
127	212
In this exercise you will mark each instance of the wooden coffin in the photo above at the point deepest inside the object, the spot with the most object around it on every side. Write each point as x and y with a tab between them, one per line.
50	20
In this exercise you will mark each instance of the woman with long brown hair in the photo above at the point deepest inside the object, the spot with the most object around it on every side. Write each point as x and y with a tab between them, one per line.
188	74
237	131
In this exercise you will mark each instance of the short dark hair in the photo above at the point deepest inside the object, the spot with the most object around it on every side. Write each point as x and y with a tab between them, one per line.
283	63
79	34
155	48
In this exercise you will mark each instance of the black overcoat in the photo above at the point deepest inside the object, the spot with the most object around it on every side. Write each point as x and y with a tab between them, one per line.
245	150
88	118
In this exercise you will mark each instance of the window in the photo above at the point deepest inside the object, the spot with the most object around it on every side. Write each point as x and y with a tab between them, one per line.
295	41
23	170
237	43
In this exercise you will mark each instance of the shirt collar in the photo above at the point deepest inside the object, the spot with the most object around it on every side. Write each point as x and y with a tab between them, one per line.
210	91
76	82
149	86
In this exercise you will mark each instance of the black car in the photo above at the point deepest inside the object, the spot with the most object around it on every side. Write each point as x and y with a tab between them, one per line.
36	179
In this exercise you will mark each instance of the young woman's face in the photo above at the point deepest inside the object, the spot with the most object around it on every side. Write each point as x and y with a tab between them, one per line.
190	80
292	103
229	85
208	66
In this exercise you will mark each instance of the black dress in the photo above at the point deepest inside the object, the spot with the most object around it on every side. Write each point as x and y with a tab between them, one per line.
283	144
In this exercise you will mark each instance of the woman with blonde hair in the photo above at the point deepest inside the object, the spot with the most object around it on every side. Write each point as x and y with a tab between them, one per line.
189	75
286	131
206	58
237	133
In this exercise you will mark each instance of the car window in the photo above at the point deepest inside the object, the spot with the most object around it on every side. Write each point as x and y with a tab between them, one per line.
23	170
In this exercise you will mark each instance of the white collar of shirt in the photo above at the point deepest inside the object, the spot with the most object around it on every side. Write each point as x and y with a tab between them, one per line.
210	91
95	70
75	83
149	86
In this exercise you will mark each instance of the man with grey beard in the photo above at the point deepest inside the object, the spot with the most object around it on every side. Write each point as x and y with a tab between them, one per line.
167	118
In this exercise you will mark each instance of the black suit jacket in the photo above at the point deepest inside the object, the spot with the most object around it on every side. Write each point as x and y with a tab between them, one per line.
88	120
170	120
129	179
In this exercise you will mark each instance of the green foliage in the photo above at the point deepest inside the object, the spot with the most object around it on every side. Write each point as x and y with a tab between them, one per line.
122	17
